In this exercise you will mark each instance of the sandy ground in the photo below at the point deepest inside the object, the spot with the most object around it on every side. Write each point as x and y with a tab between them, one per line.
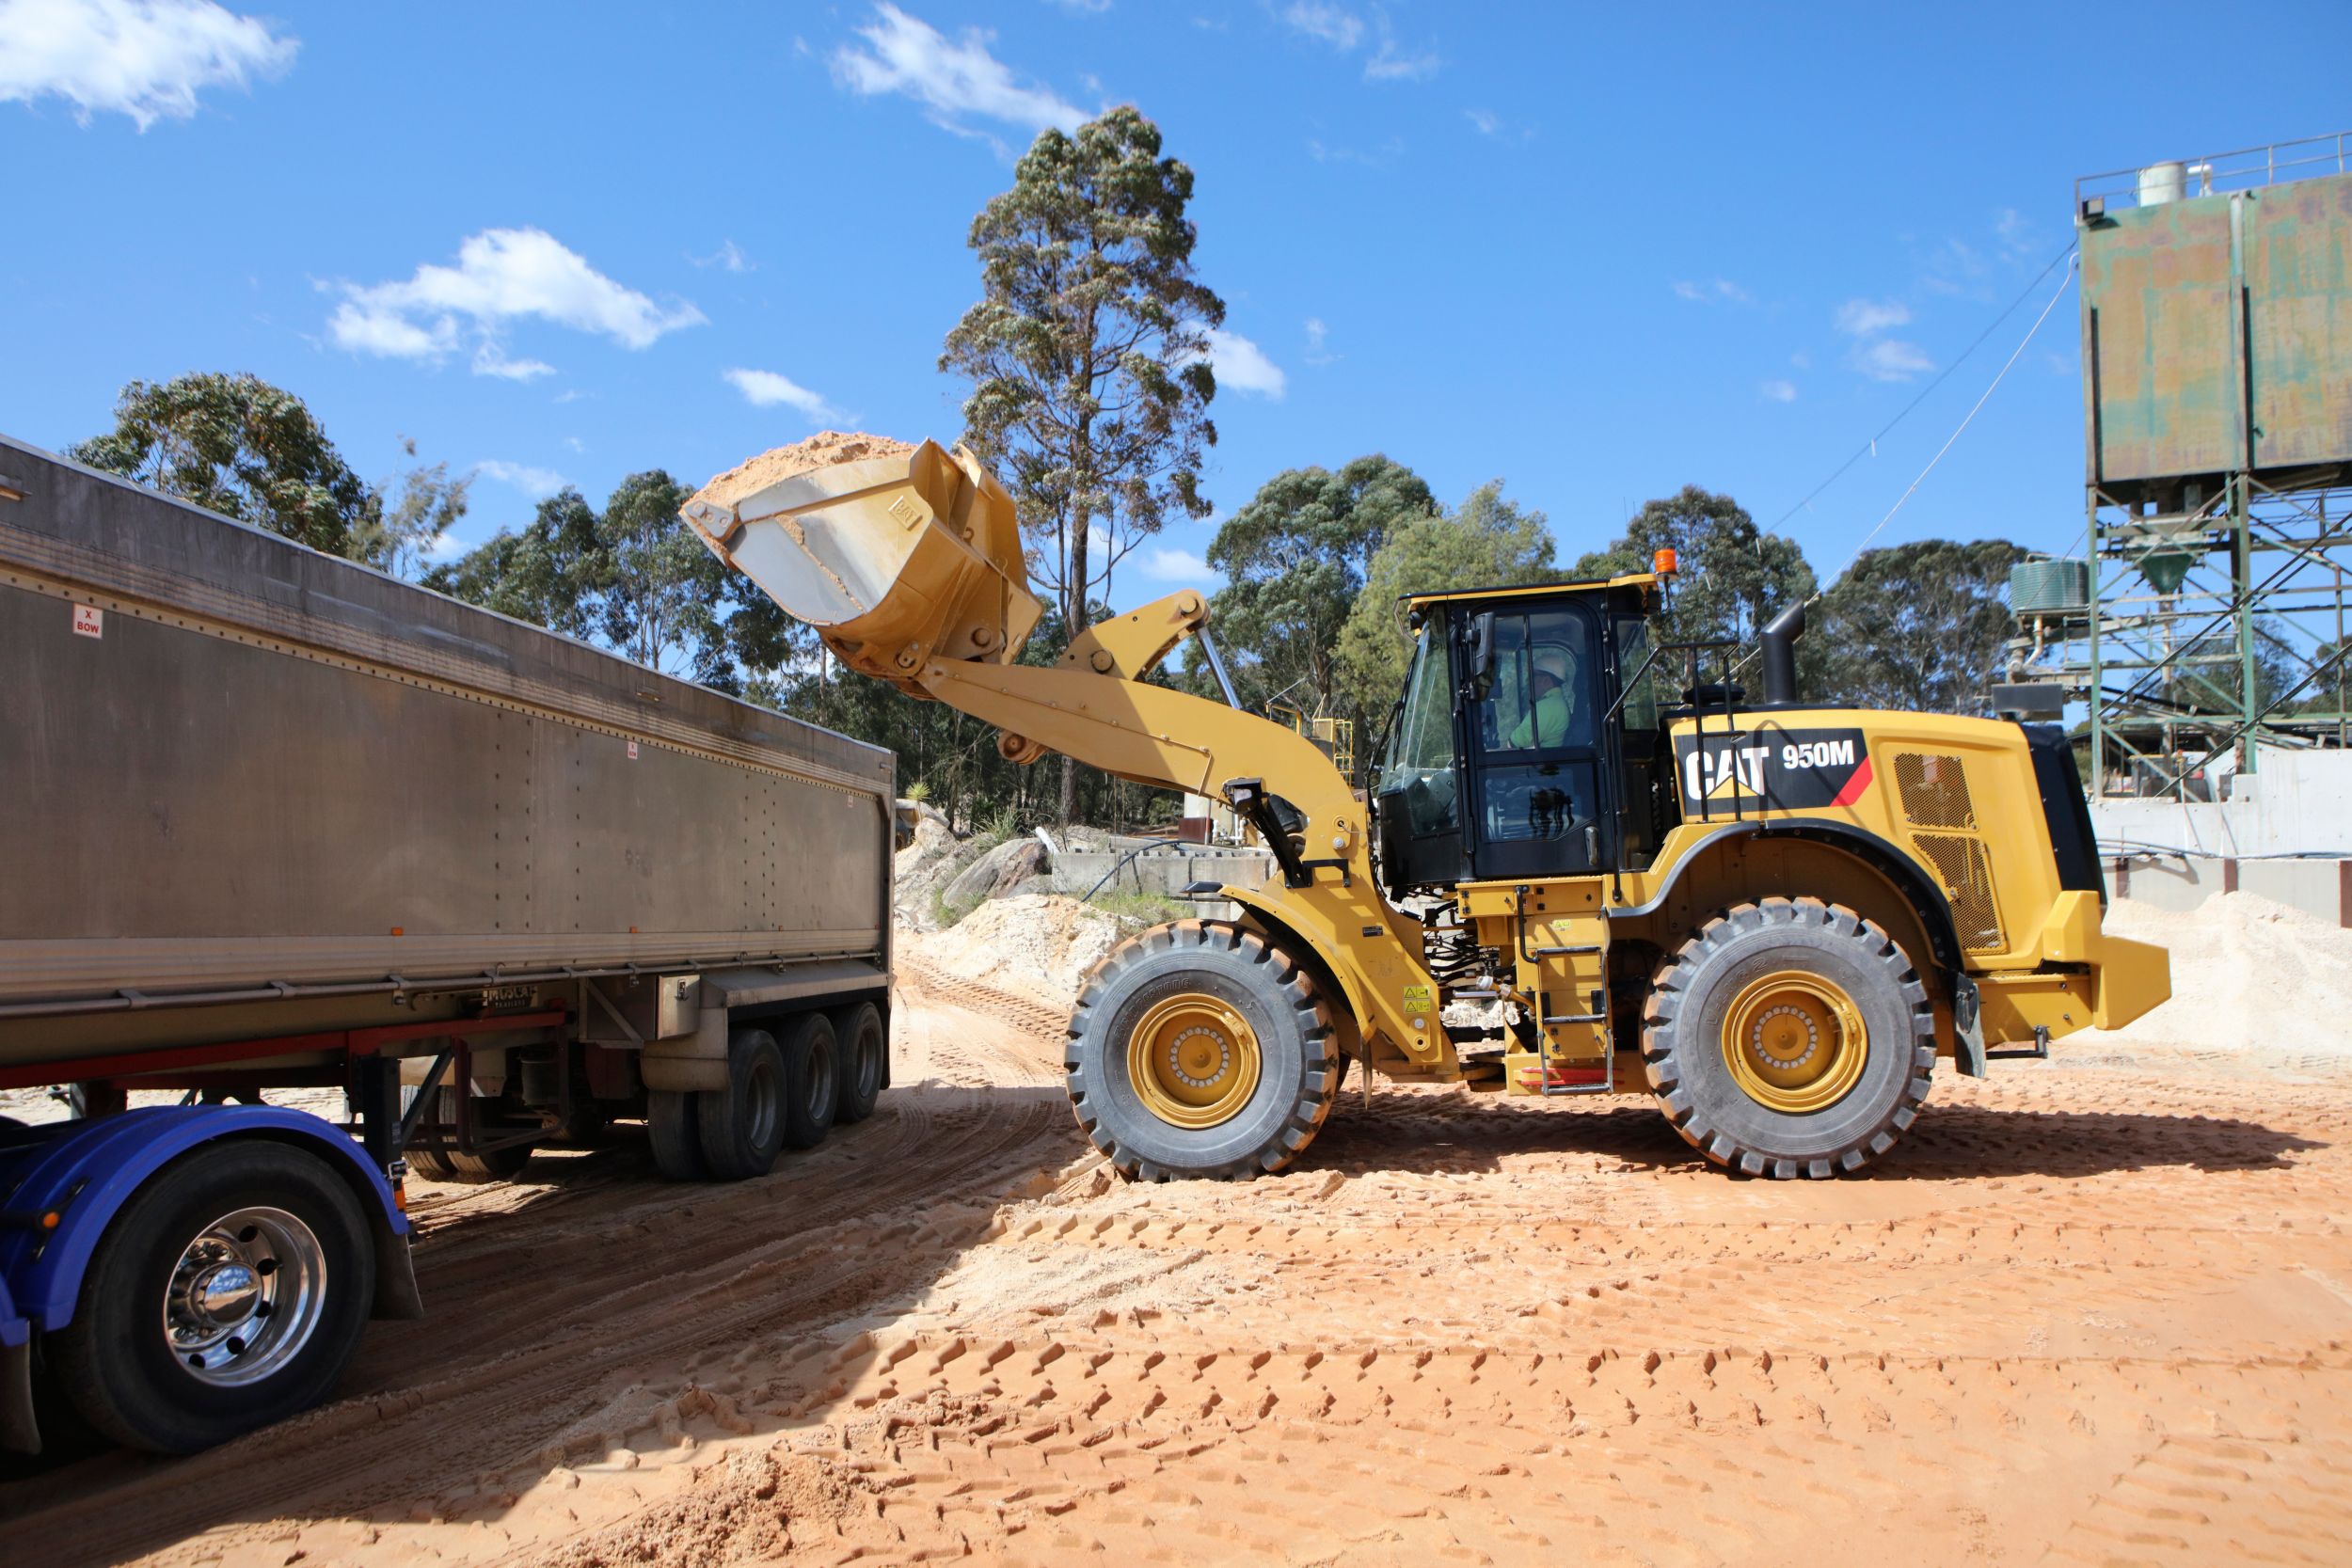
2095	1309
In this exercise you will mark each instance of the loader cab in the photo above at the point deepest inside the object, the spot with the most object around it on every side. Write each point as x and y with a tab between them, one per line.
1518	750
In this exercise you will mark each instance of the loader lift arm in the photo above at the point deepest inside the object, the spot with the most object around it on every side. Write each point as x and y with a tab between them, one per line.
910	570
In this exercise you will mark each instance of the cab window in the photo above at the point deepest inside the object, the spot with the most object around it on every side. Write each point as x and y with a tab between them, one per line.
1419	765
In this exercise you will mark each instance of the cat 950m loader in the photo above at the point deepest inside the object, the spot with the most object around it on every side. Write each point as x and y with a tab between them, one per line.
1773	917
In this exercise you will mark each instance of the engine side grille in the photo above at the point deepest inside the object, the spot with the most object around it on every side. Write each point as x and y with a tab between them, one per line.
1934	790
1966	872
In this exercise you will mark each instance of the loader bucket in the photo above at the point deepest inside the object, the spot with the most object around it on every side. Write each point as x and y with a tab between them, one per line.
893	559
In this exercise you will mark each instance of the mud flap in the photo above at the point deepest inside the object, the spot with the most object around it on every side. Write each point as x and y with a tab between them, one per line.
19	1432
396	1292
1968	1027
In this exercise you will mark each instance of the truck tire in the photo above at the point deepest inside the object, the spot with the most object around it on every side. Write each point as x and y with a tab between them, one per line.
812	1077
862	1048
1200	1050
228	1293
742	1125
673	1125
473	1170
1789	1038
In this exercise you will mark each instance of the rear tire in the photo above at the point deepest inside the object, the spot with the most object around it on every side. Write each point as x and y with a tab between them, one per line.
673	1126
1199	1049
811	1080
742	1125
1789	1038
473	1170
169	1348
861	1053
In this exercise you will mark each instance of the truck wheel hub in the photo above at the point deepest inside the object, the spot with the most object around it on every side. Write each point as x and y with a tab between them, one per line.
245	1296
1193	1060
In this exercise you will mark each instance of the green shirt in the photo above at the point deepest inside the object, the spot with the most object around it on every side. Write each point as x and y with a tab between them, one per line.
1547	725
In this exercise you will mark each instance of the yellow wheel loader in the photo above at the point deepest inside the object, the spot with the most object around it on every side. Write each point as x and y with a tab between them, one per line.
1562	878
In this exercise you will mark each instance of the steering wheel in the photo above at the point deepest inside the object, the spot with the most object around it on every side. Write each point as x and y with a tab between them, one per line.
1533	809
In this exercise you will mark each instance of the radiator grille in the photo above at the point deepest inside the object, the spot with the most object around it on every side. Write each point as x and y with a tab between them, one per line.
1966	873
1934	790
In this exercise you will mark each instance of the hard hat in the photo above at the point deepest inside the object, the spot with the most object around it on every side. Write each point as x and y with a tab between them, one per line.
1552	661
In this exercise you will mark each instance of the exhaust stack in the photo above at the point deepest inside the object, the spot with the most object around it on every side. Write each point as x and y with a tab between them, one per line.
1780	655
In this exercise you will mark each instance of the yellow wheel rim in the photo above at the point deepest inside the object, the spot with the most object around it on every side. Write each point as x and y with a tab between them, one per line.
1795	1042
1193	1060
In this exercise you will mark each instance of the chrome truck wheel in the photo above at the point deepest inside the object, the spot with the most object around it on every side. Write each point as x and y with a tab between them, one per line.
246	1296
228	1293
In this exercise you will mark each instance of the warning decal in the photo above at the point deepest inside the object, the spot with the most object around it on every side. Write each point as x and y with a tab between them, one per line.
88	621
1772	770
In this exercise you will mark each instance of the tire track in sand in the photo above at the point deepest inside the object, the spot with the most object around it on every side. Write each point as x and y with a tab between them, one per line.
527	1323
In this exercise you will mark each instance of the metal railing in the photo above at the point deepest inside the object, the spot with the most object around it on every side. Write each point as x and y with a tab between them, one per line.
2243	169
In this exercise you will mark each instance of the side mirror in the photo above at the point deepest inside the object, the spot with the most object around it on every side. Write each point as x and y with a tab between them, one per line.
1478	643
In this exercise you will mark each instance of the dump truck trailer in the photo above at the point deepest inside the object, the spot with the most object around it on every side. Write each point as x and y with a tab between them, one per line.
275	819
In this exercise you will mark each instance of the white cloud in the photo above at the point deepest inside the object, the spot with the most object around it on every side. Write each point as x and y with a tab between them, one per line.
1344	31
1721	291
1164	564
1488	122
1864	318
444	546
1391	63
1318	336
1089	8
1802	360
501	275
908	55
1892	359
489	360
538	483
2019	236
1243	365
766	389
1326	24
145	58
575	443
1779	391
729	255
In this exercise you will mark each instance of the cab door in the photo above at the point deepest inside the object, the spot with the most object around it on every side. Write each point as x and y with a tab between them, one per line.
1541	798
1417	794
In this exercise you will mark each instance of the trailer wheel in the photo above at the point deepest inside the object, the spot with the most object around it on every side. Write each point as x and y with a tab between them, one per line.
813	1083
473	1170
228	1293
863	1047
675	1126
742	1125
1789	1038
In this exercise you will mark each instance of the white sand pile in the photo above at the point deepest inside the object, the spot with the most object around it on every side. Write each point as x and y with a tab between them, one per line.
1032	941
824	448
2249	973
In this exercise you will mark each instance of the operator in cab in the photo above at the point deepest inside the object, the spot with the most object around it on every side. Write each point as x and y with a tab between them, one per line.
1551	705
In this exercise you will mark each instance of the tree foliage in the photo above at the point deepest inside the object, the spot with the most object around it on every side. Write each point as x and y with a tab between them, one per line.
632	577
238	446
1917	627
405	517
1733	576
1486	541
1088	352
1296	557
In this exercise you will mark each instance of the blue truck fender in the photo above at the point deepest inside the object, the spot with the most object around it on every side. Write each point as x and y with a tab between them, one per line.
19	1434
86	1174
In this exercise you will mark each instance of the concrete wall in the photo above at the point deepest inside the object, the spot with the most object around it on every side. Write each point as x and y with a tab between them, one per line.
2297	802
2317	884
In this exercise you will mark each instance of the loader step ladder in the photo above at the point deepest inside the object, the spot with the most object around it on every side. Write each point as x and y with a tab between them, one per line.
1563	967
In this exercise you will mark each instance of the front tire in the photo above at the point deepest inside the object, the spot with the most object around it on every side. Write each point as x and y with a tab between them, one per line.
1789	1038
1200	1050
228	1293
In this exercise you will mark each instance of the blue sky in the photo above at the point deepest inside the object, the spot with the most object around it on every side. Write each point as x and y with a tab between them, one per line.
1599	251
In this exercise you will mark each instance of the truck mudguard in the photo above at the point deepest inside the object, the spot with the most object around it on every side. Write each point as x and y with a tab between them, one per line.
87	1174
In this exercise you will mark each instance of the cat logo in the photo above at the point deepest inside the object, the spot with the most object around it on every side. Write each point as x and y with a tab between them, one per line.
1775	769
